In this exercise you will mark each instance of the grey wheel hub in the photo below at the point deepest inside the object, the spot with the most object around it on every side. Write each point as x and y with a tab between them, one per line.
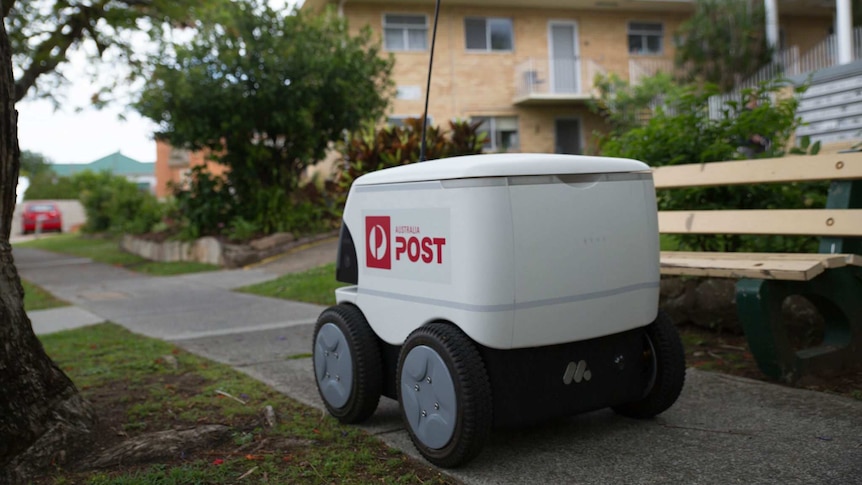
428	397
333	365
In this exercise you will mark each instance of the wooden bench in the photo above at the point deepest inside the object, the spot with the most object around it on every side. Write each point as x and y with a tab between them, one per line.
830	279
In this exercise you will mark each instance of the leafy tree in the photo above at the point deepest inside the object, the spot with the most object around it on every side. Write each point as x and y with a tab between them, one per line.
268	96
724	42
43	33
624	106
49	186
34	164
41	411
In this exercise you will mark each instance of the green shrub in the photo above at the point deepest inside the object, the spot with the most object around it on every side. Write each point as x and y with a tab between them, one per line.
681	131
47	185
373	149
116	205
242	230
205	207
208	206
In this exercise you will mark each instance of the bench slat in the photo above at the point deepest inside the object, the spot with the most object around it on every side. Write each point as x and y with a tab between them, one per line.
781	266
827	260
801	222
796	270
836	166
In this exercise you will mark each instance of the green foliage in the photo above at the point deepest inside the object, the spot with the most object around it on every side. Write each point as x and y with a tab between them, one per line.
372	148
46	185
112	203
681	131
624	106
44	33
724	42
115	205
203	208
34	164
242	230
268	92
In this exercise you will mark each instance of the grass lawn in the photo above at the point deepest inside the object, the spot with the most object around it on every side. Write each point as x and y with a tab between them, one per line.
35	298
313	286
108	251
140	385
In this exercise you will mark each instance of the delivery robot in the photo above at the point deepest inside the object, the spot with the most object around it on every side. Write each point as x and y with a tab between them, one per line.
497	290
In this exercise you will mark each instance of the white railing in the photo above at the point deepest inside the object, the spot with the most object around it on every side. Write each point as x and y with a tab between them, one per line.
593	69
789	63
568	76
643	68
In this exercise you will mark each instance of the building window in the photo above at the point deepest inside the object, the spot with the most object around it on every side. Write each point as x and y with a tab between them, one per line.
645	38
501	131
489	34
405	32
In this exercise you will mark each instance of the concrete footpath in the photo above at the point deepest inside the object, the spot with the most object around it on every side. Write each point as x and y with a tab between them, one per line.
722	430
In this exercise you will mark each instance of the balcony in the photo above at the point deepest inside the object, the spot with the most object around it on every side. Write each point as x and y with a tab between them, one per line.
561	81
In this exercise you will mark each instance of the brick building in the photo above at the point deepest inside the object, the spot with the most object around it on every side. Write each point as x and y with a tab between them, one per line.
527	71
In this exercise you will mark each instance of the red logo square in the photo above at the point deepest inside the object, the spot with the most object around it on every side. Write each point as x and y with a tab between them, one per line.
378	251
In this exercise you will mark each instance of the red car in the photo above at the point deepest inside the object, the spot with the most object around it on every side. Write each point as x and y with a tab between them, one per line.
43	215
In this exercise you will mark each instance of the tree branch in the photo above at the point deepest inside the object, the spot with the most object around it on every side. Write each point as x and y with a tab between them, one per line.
46	58
6	7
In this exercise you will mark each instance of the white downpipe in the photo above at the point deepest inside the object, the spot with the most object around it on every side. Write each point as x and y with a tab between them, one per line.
844	30
341	7
771	8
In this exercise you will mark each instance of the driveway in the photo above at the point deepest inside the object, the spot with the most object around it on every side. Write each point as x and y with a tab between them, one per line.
72	211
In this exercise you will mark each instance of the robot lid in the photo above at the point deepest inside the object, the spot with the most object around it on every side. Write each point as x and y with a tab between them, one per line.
501	165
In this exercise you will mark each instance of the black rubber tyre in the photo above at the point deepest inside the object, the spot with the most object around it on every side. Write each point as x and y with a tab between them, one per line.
665	370
449	351
342	332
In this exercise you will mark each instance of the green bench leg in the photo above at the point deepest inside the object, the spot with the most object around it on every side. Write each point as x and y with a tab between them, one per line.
837	294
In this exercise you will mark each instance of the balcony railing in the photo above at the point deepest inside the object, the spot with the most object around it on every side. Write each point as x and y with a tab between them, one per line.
537	79
789	62
642	68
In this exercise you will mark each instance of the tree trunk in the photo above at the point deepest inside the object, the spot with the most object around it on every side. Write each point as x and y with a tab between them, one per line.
41	411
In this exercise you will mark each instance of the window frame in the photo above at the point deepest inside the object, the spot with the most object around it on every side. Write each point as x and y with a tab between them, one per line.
644	35
488	48
492	145
405	28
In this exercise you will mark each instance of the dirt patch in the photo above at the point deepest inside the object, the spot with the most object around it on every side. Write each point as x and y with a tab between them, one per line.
728	353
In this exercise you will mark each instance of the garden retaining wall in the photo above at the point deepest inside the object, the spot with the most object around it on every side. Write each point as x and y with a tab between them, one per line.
212	251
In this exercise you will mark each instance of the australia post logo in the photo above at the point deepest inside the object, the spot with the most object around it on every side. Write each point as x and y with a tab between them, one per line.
411	244
378	250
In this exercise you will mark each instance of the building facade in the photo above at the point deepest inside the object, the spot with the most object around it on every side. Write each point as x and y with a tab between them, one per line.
527	72
173	166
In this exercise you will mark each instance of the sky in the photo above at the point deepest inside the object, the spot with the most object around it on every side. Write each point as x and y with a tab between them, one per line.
79	133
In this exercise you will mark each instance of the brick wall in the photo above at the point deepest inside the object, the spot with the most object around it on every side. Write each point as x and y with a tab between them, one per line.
167	173
466	84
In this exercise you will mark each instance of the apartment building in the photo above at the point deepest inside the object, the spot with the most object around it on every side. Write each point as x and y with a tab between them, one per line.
173	166
526	69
